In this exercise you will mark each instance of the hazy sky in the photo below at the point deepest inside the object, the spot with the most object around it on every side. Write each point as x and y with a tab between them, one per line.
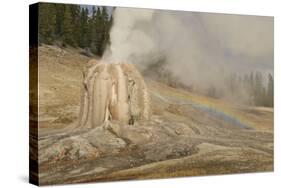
245	40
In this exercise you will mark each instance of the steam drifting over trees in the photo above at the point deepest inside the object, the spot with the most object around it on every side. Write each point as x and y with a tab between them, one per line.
254	87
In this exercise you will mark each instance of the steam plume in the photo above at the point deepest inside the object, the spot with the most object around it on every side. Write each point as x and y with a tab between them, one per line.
186	44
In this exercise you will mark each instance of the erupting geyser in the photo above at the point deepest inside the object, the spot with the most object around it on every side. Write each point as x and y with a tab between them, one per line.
113	92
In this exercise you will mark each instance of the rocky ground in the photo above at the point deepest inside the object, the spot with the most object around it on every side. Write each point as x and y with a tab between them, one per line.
182	138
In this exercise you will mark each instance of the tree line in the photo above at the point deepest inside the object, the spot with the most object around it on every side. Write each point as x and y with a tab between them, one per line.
252	88
73	25
257	87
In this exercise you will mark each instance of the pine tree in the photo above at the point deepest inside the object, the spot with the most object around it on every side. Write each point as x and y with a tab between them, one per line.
259	90
98	32
75	13
91	28
60	8
47	23
83	40
101	31
72	25
270	91
67	27
252	84
106	28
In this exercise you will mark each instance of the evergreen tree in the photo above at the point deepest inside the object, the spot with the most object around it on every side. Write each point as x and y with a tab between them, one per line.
270	91
101	31
98	33
91	28
47	23
106	28
60	8
72	25
260	91
75	14
67	27
232	83
252	84
83	41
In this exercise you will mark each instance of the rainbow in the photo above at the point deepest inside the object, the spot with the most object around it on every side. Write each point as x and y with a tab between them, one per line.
211	106
221	113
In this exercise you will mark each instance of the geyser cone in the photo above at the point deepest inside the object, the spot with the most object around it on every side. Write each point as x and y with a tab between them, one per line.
113	92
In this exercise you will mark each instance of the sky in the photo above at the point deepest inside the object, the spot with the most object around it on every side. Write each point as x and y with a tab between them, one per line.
244	40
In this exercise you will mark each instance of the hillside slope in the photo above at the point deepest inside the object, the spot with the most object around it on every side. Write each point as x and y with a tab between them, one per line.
187	135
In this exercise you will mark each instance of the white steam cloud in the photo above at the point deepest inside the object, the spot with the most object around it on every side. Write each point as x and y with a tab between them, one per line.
197	48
